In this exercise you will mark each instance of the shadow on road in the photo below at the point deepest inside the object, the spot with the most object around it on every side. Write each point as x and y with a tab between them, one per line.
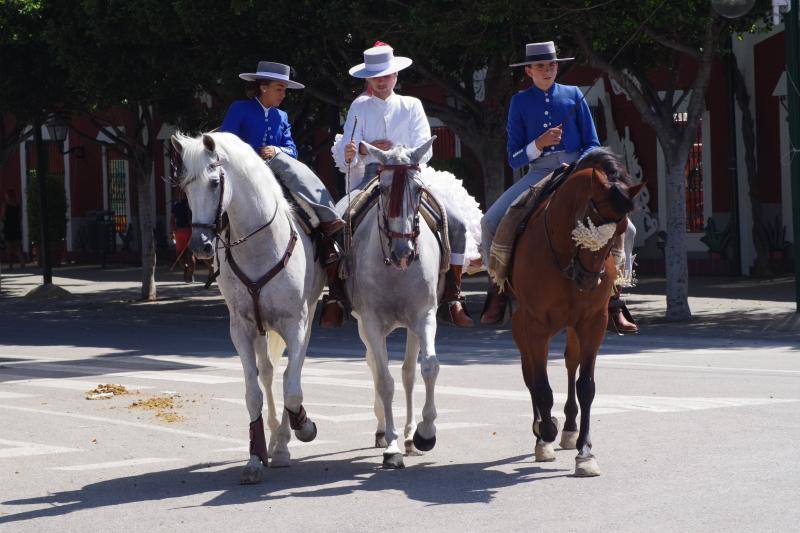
311	477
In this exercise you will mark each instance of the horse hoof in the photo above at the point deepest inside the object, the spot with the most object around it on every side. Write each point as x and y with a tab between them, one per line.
423	444
280	460
305	435
586	466
250	475
393	461
544	452
380	440
569	440
411	450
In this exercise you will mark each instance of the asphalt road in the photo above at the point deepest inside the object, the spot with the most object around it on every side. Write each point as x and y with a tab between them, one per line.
692	433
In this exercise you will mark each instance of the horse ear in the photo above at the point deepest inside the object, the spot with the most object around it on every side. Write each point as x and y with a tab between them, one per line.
635	190
208	142
176	144
599	182
419	152
377	153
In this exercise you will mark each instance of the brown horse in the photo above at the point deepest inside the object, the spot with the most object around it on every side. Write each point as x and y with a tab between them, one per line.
560	284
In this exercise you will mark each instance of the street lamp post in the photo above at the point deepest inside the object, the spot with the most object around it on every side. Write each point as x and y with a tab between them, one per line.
792	32
41	176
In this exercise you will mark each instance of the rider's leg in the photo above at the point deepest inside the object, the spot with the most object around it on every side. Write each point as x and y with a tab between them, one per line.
619	317
453	302
301	180
335	303
494	308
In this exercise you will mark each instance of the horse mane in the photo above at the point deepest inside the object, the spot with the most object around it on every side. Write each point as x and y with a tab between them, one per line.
604	159
238	156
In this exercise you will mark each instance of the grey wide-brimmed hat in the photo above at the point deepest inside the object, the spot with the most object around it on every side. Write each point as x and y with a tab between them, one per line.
535	52
269	71
379	61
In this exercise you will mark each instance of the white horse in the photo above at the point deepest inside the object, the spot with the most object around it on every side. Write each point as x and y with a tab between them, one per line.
393	282
267	275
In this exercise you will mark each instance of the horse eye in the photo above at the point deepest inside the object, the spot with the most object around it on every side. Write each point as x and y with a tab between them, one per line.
214	184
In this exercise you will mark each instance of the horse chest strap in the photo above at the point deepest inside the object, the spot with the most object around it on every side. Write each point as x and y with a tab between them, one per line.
254	287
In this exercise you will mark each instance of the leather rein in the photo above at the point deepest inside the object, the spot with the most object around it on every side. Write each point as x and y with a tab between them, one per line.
574	269
253	286
382	215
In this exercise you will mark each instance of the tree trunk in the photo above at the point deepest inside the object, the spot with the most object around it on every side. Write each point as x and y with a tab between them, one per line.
762	266
144	186
676	263
491	155
493	165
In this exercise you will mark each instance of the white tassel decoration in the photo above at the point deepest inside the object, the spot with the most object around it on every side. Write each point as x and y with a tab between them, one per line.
592	237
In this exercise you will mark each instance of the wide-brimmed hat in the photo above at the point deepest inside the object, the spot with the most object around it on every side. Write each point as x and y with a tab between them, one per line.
535	52
269	71
379	61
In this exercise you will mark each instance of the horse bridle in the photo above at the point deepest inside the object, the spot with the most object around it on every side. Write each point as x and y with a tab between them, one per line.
253	286
217	226
574	270
382	216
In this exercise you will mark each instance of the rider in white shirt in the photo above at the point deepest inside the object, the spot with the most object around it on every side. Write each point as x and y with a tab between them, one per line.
385	119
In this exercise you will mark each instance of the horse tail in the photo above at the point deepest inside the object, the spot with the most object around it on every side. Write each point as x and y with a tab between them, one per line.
275	348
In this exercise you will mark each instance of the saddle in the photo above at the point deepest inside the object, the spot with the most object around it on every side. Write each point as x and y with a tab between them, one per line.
430	208
514	222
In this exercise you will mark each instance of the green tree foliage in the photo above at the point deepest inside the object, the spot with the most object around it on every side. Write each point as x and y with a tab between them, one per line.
628	41
31	83
131	66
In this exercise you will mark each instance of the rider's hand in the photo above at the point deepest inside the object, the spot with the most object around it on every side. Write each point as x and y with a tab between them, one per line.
349	151
549	138
382	144
268	152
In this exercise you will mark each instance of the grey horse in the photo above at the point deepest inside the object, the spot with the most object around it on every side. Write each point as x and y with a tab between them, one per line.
268	276
394	282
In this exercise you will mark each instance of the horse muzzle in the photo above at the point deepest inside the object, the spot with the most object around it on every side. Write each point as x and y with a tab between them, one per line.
202	244
402	253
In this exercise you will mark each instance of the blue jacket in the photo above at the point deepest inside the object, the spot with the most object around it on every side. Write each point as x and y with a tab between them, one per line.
257	127
532	112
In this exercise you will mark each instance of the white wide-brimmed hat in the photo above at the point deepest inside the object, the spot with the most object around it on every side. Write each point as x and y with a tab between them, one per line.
535	52
269	71
379	61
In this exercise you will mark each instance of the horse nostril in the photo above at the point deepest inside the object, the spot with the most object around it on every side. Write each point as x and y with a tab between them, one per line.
207	248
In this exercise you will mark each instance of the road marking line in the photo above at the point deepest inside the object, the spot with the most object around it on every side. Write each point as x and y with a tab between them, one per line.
614	403
14	395
119	422
68	383
458	425
352	417
294	443
27	449
166	375
114	464
705	368
228	364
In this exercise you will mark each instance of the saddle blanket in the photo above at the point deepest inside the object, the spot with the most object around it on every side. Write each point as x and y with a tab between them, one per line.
431	210
514	222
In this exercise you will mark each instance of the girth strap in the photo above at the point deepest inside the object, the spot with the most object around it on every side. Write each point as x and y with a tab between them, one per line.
254	287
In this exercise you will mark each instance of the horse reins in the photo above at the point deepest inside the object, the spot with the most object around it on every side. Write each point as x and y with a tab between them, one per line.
574	270
253	286
393	208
